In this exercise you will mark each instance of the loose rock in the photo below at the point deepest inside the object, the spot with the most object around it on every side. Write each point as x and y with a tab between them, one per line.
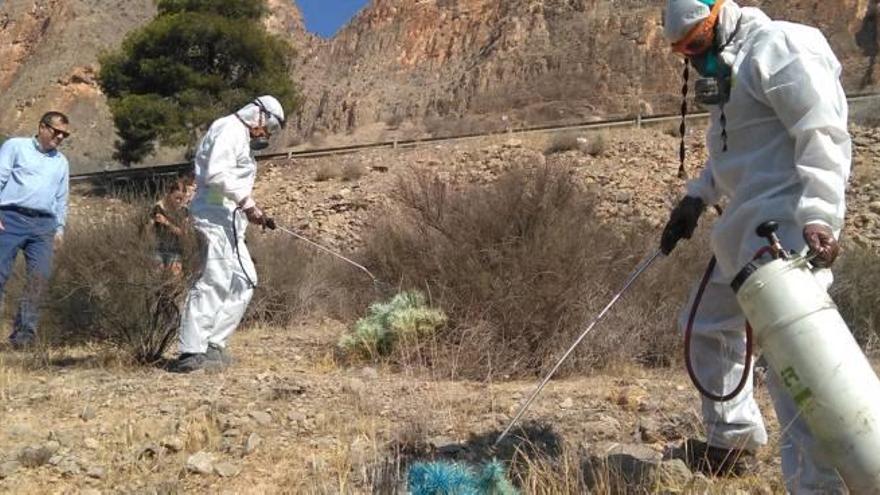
88	413
262	418
253	441
9	468
226	469
173	443
201	463
96	472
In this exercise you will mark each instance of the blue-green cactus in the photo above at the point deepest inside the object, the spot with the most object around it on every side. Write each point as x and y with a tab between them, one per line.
453	478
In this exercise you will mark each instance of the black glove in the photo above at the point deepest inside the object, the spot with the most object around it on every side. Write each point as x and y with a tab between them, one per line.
269	223
682	222
822	244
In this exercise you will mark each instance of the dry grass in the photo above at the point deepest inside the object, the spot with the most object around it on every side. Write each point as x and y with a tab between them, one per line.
562	142
326	171
856	291
108	287
296	282
596	144
519	266
353	171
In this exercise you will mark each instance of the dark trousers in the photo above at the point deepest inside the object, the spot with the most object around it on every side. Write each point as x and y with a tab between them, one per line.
34	235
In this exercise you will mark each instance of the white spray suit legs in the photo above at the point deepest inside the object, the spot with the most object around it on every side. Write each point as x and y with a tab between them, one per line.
218	300
718	345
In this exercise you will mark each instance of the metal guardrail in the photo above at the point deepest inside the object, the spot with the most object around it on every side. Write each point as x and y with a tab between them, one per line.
158	171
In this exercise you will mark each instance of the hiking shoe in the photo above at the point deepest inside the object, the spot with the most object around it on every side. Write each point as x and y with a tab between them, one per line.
189	362
718	461
219	354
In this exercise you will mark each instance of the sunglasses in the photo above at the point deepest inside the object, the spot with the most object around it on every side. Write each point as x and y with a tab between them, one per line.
56	132
700	38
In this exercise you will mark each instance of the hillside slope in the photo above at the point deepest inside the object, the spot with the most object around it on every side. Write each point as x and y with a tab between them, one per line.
532	61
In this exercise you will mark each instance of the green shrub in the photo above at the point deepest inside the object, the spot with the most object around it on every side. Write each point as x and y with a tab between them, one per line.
196	61
406	317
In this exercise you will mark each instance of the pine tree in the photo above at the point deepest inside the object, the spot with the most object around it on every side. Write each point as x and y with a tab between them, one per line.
196	61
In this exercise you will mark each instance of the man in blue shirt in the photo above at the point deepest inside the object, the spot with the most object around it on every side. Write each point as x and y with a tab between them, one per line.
33	208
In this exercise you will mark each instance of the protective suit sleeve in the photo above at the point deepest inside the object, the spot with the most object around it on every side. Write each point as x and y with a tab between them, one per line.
703	187
804	90
222	159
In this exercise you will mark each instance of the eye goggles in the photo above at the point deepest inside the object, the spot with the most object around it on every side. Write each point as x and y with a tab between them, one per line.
699	39
265	110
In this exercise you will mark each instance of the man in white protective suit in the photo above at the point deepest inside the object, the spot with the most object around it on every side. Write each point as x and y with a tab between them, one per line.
778	150
223	206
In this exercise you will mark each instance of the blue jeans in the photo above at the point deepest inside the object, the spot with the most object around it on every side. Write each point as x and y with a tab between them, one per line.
35	236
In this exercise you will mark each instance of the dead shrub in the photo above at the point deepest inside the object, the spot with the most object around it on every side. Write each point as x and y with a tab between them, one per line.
595	144
856	291
394	120
294	139
326	171
448	126
317	139
672	130
519	266
562	142
108	287
296	281
353	171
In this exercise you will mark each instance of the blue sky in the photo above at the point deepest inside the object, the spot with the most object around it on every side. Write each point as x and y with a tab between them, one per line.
325	17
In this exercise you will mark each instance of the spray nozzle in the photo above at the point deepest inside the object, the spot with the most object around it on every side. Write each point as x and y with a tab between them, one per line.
768	230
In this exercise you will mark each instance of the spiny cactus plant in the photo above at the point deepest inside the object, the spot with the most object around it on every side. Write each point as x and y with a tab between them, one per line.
453	478
406	316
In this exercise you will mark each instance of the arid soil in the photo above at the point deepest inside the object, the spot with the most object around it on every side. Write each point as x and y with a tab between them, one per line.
287	419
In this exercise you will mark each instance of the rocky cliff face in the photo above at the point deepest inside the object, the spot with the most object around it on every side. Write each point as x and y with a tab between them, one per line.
433	62
530	60
49	53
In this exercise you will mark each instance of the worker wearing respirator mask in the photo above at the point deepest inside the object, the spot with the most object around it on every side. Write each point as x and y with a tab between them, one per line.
222	208
778	150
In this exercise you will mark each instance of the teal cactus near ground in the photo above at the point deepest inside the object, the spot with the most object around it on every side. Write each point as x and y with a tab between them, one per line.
454	478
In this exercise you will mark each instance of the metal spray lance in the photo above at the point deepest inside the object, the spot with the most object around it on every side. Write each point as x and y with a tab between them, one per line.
629	281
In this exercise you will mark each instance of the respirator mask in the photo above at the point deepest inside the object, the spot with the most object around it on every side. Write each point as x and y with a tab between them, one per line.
259	143
713	87
702	50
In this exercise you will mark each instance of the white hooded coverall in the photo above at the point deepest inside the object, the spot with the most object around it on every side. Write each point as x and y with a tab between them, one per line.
225	172
788	160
